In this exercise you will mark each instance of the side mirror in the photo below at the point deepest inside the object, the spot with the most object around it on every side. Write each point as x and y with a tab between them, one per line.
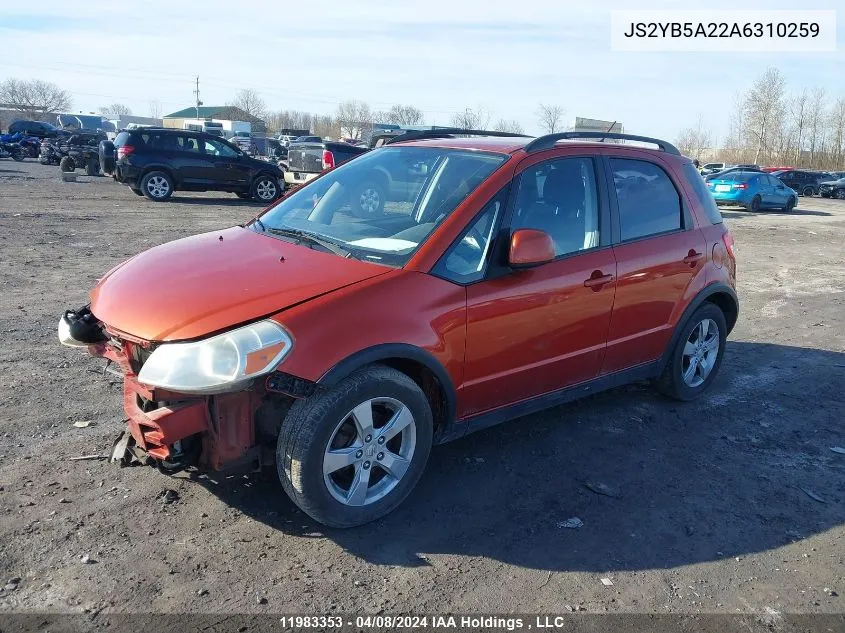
530	247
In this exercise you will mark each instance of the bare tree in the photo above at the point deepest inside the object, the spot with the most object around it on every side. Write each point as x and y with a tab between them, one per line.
402	115
763	110
250	102
549	117
155	109
837	132
34	96
508	126
816	122
324	125
692	141
470	119
289	120
116	110
354	118
798	111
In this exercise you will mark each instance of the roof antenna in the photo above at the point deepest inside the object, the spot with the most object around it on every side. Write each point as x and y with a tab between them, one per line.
607	131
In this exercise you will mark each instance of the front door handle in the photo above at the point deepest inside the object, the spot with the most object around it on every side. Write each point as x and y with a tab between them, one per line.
693	257
597	280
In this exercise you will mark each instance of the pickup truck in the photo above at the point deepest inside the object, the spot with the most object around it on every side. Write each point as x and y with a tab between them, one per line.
310	155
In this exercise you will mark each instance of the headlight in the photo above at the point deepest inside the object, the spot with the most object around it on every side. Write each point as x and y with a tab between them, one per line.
220	363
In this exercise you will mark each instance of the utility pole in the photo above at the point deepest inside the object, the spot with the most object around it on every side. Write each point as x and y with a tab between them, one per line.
197	93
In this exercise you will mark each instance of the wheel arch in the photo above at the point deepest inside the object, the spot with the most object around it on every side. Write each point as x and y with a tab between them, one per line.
416	363
162	168
719	294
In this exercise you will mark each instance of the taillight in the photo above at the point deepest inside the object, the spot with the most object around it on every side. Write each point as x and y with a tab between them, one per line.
728	240
741	185
328	159
124	150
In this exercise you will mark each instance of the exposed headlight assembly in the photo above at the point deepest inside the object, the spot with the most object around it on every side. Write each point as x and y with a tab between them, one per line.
220	363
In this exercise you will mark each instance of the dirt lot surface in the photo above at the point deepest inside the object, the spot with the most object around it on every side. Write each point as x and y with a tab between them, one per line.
733	504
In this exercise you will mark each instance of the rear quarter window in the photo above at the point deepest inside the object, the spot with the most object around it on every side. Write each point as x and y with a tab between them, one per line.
702	194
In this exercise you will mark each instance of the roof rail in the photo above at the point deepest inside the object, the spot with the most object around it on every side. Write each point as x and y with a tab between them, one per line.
549	140
448	132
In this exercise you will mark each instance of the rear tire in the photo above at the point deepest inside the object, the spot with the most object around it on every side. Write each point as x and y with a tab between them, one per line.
326	425
92	167
157	186
681	380
756	201
367	199
809	192
67	164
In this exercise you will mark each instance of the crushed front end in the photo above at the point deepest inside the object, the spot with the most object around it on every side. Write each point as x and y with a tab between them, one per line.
234	430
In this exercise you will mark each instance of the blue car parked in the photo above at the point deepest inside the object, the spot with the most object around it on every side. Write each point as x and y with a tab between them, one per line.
753	190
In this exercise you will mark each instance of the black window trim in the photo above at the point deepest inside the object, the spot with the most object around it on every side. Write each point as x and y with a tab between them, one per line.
687	222
505	192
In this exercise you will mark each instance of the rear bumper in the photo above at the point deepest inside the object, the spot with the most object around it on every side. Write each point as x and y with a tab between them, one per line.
126	174
736	198
298	177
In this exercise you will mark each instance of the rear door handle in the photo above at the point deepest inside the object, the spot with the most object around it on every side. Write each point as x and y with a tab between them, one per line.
693	257
597	280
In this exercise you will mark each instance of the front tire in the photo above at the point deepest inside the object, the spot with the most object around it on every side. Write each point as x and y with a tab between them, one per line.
157	186
353	453
697	355
265	189
840	194
67	164
790	205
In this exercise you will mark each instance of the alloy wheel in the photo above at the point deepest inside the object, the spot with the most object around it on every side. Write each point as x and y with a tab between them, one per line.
700	353
158	186
369	200
369	451
840	194
266	189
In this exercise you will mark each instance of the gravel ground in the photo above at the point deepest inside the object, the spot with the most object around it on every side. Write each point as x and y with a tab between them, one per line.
732	504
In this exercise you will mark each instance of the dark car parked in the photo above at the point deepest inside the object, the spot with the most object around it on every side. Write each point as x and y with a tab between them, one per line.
806	183
36	128
833	189
155	162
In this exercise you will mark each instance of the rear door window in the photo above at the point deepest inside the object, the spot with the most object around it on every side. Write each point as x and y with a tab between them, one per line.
647	199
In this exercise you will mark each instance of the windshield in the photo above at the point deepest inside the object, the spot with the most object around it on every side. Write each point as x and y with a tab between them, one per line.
382	205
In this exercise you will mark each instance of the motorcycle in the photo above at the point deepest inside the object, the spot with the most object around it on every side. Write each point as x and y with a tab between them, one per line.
11	150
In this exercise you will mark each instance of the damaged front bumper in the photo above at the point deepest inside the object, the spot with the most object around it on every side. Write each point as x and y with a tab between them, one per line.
221	432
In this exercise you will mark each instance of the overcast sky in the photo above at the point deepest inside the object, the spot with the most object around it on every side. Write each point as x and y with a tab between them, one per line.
438	55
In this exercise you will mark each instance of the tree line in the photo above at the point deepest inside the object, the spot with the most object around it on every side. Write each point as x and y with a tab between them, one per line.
771	126
352	119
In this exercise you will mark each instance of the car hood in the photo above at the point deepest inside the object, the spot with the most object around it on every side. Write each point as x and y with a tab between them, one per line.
214	281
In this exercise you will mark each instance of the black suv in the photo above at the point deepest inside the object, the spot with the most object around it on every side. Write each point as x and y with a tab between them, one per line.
806	183
155	162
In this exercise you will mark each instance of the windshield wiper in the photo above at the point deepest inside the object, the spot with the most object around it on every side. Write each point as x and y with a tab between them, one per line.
305	236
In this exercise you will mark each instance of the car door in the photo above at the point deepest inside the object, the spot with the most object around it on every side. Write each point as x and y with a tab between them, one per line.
229	170
780	193
536	330
660	257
